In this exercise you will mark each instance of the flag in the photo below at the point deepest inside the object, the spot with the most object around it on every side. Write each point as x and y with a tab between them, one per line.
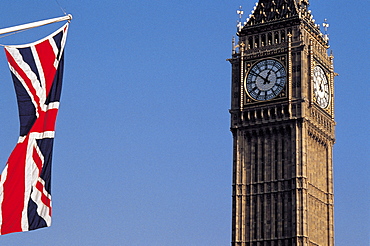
37	72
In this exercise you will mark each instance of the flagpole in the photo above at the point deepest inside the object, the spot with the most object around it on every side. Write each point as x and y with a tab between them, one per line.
35	24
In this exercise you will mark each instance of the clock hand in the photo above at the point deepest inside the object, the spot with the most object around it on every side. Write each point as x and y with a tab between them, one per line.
321	87
266	80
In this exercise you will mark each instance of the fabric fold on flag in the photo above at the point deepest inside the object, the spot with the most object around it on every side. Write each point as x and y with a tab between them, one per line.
25	183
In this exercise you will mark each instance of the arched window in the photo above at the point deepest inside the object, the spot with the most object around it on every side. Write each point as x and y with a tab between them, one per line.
256	42
282	36
269	38
276	38
263	40
250	43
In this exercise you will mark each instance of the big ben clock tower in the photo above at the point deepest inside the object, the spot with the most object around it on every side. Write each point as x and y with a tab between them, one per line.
282	121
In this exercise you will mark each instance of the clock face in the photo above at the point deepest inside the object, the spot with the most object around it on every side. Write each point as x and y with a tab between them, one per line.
265	80
321	87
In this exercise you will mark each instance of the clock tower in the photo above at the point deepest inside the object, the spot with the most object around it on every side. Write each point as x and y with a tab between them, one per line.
282	121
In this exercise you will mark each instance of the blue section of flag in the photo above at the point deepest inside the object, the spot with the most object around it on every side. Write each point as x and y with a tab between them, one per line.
35	221
26	109
56	89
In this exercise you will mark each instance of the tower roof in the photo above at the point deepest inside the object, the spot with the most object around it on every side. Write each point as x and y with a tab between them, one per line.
275	10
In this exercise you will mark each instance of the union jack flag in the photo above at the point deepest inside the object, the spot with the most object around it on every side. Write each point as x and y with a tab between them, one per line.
37	72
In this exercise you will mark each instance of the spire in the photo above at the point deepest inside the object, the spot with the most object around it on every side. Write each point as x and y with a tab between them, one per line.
275	10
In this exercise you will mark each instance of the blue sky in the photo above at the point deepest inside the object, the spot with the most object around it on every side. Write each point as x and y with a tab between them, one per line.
143	152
